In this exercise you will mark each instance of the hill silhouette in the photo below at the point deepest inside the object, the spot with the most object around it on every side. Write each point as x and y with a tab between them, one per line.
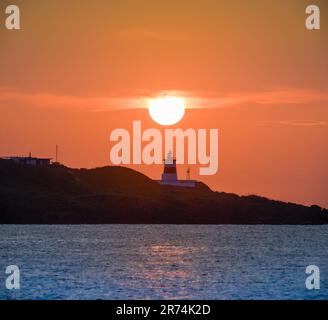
61	195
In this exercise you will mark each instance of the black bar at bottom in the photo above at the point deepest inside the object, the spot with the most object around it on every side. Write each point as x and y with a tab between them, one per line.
166	309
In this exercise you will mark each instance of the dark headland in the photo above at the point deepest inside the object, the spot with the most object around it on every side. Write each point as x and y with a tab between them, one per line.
61	195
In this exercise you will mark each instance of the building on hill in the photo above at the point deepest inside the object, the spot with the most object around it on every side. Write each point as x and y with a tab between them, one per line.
31	161
170	176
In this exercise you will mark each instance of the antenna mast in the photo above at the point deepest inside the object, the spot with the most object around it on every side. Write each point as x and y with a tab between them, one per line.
188	173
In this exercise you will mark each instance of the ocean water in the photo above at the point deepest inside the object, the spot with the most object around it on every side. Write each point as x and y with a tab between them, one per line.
163	261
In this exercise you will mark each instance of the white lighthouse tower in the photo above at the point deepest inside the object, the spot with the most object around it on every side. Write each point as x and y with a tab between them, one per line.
170	169
170	176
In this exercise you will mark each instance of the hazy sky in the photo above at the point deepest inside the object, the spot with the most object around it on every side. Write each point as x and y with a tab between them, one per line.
78	69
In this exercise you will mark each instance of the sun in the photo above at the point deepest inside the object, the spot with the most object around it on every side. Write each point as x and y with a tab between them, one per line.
167	110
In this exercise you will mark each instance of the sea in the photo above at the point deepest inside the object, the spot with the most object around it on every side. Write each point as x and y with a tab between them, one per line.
164	261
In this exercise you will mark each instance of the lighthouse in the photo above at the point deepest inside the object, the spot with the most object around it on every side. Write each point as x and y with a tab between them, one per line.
170	169
170	176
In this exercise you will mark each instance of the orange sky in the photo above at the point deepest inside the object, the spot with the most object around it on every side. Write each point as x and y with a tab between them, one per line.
79	69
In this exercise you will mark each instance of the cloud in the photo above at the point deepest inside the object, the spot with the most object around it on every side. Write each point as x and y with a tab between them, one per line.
288	96
275	96
47	100
139	99
300	123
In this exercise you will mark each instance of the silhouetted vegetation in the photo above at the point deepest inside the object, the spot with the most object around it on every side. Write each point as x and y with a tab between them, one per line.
120	195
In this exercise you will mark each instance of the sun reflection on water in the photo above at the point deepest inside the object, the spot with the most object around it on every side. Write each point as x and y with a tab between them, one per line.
167	269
